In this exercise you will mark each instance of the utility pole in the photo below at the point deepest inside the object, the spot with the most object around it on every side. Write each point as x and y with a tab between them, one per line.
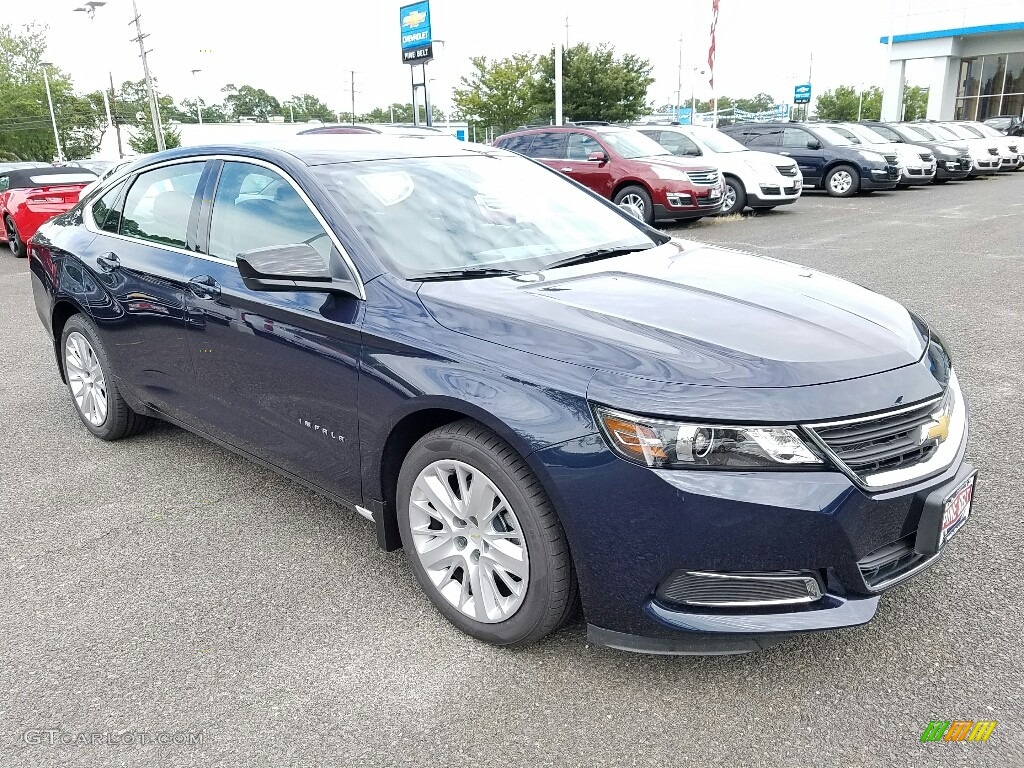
567	33
154	110
559	117
353	73
117	121
199	99
679	83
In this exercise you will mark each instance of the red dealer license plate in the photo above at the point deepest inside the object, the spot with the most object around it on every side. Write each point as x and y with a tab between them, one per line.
957	508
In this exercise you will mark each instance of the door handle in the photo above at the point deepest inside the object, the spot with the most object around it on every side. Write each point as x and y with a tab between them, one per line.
787	154
566	170
108	262
204	287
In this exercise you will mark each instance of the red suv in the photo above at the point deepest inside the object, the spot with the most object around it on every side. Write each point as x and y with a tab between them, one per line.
630	169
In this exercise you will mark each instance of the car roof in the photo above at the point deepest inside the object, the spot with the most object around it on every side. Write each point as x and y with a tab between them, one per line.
320	149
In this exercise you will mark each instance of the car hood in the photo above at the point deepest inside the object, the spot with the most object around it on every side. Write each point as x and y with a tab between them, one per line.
688	313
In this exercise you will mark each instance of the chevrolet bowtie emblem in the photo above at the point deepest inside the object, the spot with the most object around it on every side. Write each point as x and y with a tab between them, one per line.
938	429
414	18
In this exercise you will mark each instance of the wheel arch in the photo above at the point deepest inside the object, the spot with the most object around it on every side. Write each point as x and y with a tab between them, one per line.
632	182
381	491
63	310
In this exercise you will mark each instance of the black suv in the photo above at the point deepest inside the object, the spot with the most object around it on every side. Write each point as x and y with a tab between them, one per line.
951	162
1011	125
827	160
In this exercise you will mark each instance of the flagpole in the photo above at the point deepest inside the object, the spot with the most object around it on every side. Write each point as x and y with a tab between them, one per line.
711	63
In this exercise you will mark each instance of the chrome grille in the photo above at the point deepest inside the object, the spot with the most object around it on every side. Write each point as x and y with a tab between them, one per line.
741	588
888	441
787	170
705	178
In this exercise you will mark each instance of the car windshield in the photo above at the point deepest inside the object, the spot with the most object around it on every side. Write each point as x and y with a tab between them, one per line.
717	141
998	122
960	132
447	214
822	132
941	132
631	144
986	130
913	133
867	135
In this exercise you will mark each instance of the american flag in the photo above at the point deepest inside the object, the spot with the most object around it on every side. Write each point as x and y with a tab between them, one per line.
711	48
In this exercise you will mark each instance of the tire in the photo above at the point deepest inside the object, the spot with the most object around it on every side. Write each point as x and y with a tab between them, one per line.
734	190
14	238
82	352
842	181
470	456
635	200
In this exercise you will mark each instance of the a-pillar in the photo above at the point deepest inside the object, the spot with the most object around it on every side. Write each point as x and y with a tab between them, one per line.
892	97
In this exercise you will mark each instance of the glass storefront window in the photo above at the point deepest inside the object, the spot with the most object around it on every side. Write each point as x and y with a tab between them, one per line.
1015	74
993	69
988	106
969	83
1013	104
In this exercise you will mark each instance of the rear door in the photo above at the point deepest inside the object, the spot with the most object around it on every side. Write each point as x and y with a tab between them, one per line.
276	373
795	144
549	148
593	174
144	228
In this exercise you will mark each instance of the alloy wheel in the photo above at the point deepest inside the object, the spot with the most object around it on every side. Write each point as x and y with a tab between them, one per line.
85	378
728	198
633	205
469	541
841	181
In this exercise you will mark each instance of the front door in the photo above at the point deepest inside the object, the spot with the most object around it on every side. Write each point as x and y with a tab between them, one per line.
276	373
140	256
797	143
593	174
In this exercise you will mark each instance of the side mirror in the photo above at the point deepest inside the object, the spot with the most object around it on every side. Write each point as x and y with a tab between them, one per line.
692	152
294	267
597	157
813	144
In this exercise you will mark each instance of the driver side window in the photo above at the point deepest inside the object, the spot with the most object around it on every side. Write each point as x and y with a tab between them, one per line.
255	207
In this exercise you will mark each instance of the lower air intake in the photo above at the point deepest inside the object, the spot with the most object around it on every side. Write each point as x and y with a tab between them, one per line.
740	589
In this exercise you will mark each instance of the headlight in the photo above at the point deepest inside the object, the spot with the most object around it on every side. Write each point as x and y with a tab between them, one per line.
871	156
669	174
681	445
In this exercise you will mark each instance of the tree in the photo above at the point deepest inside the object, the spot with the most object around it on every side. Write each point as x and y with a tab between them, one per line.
915	102
596	85
498	93
762	102
144	140
26	130
398	113
307	107
247	101
845	104
212	113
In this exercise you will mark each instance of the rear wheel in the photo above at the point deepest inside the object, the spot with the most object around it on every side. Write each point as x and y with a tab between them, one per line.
636	202
14	238
734	197
482	537
91	382
842	181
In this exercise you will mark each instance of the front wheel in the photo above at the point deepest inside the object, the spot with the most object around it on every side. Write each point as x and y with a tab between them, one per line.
635	201
482	537
842	181
14	238
91	382
734	197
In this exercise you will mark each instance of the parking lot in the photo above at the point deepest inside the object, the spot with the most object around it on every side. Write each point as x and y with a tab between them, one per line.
161	584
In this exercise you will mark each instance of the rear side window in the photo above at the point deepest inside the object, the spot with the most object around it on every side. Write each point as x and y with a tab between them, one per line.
548	146
767	139
520	144
5	183
105	211
159	203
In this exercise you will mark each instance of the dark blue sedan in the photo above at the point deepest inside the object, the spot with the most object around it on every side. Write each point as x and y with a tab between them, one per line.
542	400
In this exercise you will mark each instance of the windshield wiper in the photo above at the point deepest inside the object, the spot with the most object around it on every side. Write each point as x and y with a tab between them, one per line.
598	253
464	274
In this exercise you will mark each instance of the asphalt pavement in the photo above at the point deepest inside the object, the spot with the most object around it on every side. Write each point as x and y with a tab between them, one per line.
161	585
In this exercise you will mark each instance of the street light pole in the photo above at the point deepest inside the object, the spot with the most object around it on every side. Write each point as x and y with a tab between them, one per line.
693	93
199	99
679	82
45	65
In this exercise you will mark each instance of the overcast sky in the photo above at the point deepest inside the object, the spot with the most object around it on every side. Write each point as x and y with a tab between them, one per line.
310	45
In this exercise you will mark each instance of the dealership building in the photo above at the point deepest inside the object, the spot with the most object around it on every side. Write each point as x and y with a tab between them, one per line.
975	54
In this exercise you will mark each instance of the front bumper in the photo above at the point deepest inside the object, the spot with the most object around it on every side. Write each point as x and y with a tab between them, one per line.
919	174
630	527
781	190
880	178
